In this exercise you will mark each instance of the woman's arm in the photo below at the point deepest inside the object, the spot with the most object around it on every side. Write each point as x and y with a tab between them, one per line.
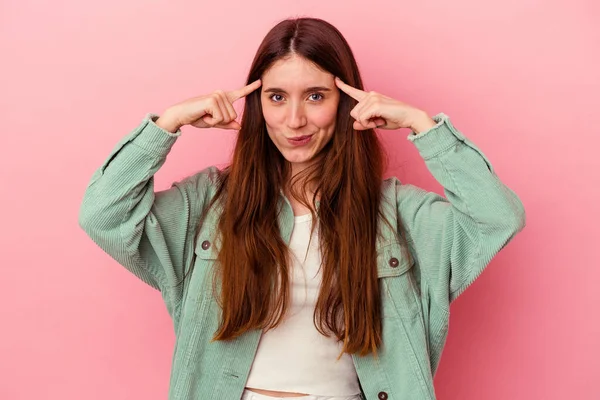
454	238
150	234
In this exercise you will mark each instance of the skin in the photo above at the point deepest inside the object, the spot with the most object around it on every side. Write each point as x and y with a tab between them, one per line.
298	98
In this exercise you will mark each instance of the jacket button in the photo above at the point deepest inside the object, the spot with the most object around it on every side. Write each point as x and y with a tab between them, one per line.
394	263
382	396
205	245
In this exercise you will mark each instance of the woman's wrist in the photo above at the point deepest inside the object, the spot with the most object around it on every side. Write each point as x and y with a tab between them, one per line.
422	122
167	122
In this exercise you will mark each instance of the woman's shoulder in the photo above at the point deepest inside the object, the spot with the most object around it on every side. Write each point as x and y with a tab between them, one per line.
393	186
211	174
389	186
203	181
403	195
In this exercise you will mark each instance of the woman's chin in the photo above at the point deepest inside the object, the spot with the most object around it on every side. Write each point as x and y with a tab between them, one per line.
296	158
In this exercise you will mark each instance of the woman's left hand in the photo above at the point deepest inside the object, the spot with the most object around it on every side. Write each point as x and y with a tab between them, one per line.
375	110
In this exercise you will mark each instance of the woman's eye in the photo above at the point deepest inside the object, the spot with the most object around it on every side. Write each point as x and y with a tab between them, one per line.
277	98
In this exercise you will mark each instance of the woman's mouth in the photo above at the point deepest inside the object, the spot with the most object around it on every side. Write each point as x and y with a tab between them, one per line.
300	140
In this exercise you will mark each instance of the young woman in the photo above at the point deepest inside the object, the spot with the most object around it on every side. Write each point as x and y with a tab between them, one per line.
298	271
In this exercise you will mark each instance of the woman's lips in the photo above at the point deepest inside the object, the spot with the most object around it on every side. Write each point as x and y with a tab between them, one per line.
300	140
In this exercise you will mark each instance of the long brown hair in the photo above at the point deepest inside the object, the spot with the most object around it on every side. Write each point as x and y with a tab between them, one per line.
253	262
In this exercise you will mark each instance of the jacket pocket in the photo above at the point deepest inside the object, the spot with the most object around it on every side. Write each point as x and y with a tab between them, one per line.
206	249
208	241
399	293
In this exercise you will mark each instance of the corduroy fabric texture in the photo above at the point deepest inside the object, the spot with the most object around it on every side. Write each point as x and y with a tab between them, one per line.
451	239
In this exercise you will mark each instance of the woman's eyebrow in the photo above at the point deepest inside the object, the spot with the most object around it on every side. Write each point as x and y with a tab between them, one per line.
310	89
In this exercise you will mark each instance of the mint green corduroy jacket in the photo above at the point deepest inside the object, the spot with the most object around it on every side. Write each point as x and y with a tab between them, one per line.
158	235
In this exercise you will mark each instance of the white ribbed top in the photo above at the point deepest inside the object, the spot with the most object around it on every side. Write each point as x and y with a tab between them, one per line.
295	357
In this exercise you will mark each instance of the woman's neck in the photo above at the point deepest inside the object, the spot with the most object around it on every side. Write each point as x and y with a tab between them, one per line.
297	206
307	193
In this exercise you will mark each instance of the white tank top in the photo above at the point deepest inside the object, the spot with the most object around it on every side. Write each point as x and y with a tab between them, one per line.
295	357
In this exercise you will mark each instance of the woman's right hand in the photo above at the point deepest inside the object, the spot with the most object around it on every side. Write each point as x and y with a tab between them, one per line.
213	110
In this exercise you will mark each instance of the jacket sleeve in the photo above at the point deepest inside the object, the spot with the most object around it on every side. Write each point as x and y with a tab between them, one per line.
454	238
150	233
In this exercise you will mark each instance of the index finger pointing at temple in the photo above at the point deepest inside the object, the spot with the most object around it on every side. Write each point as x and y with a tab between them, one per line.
353	92
245	91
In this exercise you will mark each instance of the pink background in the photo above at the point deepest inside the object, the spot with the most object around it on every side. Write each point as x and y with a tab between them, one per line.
520	78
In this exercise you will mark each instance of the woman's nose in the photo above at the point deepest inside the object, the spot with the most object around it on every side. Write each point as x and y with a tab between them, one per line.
296	117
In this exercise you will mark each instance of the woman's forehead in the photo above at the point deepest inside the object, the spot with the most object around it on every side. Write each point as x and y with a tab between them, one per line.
296	73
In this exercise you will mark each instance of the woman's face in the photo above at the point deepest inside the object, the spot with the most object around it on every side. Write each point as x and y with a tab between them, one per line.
299	103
